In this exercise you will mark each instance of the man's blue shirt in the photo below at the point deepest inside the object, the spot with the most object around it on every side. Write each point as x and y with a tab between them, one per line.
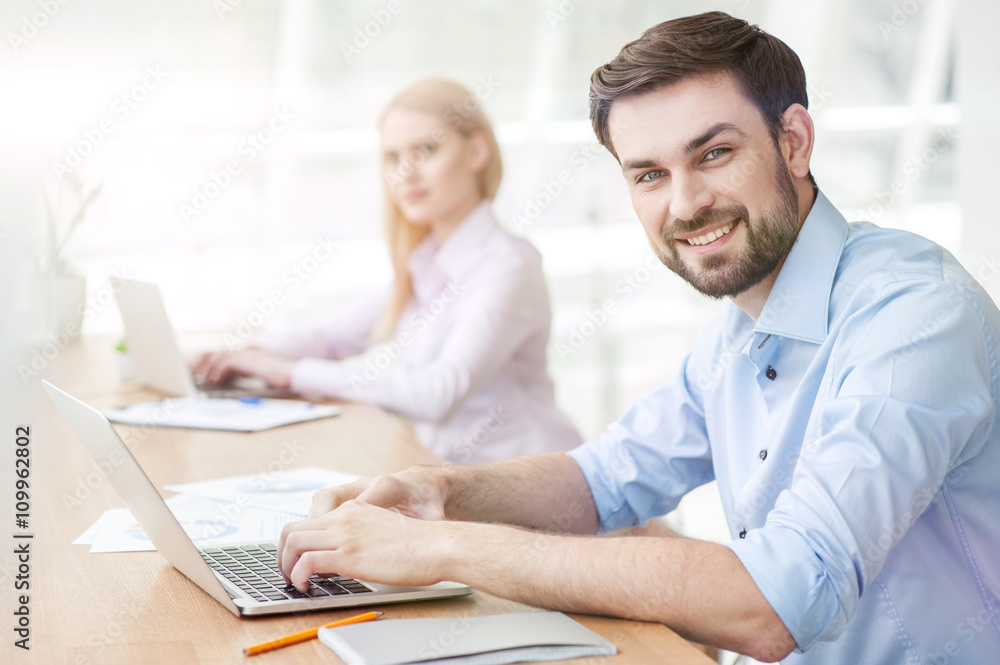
853	431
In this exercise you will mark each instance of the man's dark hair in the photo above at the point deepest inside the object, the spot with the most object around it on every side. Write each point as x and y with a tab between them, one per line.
767	71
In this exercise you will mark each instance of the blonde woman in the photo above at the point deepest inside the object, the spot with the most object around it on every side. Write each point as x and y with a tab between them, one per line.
458	342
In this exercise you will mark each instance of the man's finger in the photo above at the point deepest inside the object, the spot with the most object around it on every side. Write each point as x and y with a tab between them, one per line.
312	543
327	499
406	498
384	491
292	527
313	561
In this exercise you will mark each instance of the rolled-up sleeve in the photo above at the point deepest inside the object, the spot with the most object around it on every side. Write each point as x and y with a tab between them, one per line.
643	464
909	387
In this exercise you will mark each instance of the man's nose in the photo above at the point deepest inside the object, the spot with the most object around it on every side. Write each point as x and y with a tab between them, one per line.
689	196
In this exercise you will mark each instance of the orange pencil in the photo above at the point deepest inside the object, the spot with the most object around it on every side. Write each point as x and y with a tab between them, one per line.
304	635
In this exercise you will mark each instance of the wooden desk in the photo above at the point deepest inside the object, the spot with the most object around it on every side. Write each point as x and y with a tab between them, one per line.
134	608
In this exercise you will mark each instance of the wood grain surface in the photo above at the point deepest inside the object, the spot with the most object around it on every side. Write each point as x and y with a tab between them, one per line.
134	608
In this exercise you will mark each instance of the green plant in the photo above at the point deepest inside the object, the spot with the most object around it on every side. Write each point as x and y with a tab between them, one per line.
66	204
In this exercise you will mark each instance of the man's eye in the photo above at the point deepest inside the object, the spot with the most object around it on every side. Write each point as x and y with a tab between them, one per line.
649	176
716	153
426	149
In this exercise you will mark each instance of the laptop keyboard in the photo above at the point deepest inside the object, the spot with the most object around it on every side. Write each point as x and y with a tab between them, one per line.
254	570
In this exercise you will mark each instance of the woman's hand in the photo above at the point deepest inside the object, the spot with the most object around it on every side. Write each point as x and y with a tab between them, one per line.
219	366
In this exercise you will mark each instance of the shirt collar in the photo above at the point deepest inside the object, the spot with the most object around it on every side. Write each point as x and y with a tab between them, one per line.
468	242
460	253
799	302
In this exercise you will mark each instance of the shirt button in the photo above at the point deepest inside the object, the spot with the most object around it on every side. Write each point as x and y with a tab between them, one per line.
762	455
770	373
743	533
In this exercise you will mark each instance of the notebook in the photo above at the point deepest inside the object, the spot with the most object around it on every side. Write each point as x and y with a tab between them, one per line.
243	414
487	640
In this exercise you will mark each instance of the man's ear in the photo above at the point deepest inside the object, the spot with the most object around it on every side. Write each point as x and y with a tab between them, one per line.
797	138
479	151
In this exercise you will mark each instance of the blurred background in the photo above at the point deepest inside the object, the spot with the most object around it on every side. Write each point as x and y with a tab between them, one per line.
210	146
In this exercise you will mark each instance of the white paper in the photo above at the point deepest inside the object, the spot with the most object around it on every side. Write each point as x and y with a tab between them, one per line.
206	521
216	413
100	524
236	509
289	491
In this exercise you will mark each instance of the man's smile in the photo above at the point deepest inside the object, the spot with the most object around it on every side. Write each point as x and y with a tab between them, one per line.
710	240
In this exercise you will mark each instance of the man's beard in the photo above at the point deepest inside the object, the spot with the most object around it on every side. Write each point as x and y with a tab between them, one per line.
769	239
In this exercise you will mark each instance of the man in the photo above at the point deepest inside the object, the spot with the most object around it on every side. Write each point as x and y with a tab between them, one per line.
845	398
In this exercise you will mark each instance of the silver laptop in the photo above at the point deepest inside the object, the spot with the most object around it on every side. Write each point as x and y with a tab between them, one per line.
154	351
244	578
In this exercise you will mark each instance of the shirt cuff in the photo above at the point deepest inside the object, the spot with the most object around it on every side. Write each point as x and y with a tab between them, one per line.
612	508
314	376
795	583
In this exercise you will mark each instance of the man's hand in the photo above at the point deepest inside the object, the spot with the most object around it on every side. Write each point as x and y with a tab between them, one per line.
364	541
219	366
415	492
391	529
358	529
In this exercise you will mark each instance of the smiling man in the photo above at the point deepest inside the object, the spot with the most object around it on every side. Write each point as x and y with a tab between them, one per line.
844	398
